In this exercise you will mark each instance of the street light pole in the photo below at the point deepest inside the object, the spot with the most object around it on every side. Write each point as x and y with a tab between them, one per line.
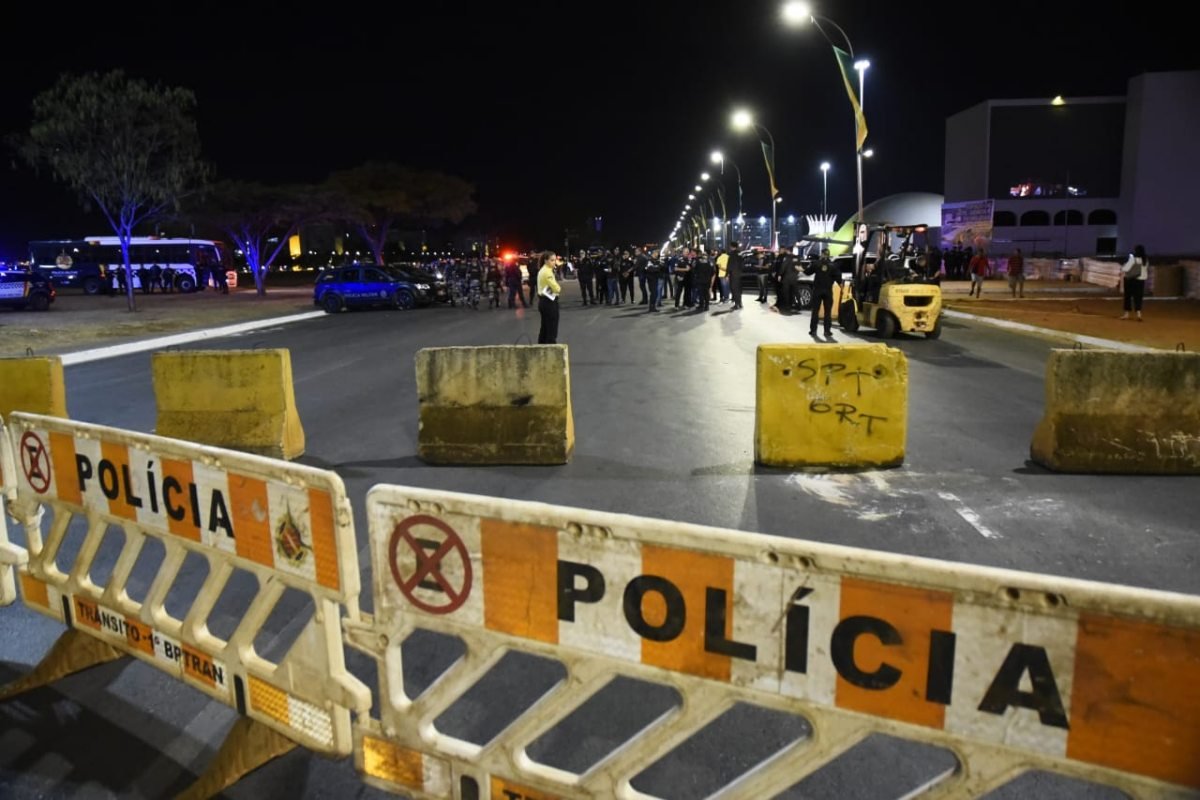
797	12
825	188
741	120
774	230
861	68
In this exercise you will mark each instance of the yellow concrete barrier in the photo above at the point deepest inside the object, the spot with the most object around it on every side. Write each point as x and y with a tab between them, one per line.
34	385
495	405
1108	411
240	399
830	406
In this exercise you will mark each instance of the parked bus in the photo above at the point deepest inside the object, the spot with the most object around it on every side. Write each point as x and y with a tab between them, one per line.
91	264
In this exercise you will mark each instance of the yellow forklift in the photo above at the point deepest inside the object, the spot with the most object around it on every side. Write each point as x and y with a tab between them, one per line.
891	290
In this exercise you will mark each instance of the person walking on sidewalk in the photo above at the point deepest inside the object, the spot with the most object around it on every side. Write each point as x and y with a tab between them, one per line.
1136	270
1016	273
548	291
979	269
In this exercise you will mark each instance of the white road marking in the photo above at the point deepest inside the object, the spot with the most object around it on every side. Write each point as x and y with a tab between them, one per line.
158	343
970	516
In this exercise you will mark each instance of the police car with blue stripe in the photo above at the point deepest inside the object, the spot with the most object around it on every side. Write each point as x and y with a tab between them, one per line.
363	286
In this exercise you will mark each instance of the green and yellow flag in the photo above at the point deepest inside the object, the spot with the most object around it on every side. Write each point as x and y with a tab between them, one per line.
769	157
846	65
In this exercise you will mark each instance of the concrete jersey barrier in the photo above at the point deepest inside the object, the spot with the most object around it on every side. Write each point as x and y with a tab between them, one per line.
33	384
1116	412
830	406
240	399
495	405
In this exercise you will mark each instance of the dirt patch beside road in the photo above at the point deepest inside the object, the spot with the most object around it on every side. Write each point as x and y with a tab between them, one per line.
1167	322
77	322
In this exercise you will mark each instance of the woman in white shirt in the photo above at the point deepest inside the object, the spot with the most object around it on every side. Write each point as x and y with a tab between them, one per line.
1136	270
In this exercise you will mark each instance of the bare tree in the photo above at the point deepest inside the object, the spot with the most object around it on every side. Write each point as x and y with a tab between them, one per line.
128	148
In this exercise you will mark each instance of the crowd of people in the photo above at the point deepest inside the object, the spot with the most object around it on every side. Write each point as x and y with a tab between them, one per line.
165	280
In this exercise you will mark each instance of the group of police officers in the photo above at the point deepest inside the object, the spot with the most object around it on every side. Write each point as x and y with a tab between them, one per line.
694	278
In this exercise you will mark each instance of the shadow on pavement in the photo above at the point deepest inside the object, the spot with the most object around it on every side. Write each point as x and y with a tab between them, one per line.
51	745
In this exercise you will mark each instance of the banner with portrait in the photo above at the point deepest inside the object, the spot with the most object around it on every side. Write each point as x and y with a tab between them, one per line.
968	224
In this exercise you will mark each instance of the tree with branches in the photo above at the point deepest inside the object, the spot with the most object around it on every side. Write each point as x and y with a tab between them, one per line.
376	197
259	219
126	147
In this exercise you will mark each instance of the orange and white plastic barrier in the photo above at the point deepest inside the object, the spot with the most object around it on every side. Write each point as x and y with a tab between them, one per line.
1009	671
288	526
11	556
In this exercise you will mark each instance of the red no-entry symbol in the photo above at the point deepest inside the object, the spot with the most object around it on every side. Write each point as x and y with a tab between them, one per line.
35	461
431	562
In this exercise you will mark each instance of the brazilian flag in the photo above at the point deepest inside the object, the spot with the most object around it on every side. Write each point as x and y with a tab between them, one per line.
846	65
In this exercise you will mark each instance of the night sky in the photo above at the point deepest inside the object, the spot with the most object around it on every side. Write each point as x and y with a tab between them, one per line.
561	111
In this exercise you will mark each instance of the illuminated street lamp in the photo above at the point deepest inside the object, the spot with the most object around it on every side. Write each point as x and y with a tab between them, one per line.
742	120
796	13
825	183
718	157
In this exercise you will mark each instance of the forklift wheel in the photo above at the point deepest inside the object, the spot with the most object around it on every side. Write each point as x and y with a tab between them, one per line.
885	324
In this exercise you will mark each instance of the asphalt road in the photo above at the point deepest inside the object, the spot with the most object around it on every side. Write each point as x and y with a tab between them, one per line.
664	415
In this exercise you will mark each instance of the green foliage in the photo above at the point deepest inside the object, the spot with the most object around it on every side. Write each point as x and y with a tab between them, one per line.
375	196
130	148
126	147
253	214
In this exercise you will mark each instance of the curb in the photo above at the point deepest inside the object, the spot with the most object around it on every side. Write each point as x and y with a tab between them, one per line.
159	342
1093	341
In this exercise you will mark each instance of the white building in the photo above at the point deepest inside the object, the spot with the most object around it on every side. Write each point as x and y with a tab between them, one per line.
1085	175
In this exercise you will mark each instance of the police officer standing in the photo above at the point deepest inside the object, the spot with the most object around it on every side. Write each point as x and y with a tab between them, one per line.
734	269
824	277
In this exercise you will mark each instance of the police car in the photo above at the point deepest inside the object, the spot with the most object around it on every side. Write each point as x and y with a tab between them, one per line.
24	289
364	286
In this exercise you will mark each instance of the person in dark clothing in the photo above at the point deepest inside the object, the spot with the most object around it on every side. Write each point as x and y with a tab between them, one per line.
512	279
601	277
762	273
653	271
220	279
824	276
640	262
734	270
789	279
702	276
585	279
683	280
625	268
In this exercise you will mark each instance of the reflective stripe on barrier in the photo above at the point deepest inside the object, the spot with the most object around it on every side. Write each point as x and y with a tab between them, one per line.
289	526
11	556
1009	671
